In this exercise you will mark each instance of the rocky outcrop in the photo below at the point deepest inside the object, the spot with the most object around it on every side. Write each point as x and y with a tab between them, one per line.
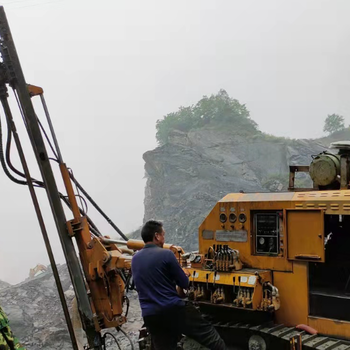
4	284
189	174
34	311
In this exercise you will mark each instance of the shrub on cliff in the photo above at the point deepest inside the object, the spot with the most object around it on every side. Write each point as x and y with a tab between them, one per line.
219	109
333	123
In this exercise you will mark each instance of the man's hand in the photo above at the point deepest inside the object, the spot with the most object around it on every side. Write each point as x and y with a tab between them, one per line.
187	273
181	292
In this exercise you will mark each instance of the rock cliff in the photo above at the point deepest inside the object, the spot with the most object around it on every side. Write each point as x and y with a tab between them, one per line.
4	284
190	173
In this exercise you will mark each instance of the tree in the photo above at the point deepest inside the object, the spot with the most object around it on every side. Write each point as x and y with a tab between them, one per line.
215	109
333	123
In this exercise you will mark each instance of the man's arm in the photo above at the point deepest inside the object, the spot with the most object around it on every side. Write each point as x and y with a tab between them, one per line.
177	272
181	292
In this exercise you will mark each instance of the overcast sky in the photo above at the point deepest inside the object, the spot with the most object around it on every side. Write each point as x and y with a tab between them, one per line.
110	69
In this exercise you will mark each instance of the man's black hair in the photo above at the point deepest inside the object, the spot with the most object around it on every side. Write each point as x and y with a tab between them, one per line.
149	229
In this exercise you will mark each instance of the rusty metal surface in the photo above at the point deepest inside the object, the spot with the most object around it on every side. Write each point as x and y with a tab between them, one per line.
231	236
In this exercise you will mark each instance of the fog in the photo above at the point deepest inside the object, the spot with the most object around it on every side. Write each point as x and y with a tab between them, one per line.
110	69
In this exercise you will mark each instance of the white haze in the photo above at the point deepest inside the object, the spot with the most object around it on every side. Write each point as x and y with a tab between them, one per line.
110	69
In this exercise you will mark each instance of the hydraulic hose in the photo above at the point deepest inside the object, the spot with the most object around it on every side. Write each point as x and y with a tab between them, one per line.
97	207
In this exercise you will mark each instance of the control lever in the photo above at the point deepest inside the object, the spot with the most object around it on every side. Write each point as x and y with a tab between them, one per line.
193	275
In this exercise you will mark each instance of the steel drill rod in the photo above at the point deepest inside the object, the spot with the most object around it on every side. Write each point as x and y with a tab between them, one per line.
12	63
52	130
114	241
9	118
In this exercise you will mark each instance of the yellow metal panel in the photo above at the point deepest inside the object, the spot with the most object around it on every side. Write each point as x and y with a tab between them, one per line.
246	249
334	202
258	197
305	235
232	197
330	327
227	277
293	292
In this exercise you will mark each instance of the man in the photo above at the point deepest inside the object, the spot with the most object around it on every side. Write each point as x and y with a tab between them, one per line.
156	274
7	340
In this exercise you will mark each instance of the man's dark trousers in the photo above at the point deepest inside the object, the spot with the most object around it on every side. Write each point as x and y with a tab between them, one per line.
166	329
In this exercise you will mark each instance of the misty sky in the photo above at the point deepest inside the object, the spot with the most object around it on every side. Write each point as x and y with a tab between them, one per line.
110	69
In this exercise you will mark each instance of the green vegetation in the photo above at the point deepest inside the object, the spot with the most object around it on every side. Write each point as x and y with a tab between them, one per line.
225	114
333	123
219	110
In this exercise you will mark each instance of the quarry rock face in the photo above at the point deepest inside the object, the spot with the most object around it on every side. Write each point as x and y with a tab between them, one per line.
189	174
4	284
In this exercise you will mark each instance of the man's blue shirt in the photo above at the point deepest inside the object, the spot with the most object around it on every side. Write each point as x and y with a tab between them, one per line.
156	273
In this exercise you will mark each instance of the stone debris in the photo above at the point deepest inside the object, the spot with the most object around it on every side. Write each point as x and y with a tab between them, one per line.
36	315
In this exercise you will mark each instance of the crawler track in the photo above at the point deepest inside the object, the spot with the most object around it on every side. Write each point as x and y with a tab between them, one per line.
276	337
